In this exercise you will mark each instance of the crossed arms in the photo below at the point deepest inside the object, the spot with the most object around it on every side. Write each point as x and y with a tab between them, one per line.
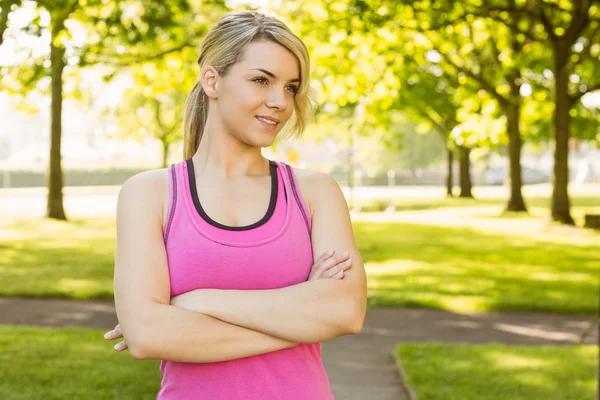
210	325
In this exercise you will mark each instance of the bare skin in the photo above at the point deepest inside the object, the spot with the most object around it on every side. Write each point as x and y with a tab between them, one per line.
328	266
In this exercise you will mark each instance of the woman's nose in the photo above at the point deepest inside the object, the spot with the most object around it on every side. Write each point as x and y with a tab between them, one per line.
277	99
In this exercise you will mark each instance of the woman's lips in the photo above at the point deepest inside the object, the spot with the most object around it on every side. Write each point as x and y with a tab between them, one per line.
267	126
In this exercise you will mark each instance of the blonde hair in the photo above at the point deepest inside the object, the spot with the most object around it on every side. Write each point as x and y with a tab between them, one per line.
224	46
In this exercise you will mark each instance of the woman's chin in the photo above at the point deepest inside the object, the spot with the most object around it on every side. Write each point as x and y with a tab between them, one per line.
266	142
262	139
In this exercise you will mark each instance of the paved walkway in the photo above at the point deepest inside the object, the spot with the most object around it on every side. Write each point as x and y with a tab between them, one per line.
358	366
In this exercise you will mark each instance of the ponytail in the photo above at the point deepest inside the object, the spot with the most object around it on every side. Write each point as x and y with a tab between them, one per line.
194	117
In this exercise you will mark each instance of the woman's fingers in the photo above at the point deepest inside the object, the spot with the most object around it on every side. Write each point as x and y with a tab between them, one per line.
114	334
324	256
341	267
318	262
120	346
331	262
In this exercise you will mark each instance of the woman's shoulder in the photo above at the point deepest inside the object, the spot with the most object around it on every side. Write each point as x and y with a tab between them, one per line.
150	180
152	186
312	185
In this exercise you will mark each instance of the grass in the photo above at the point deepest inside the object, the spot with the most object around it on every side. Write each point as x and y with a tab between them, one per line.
436	371
48	258
464	255
70	363
462	269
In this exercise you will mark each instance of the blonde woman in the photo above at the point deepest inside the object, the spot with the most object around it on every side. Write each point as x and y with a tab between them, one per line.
232	268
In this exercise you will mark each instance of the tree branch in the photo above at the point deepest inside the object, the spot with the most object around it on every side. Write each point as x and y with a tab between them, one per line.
515	12
157	114
543	18
577	96
537	81
495	11
585	53
120	61
6	6
579	20
485	85
494	49
425	114
73	7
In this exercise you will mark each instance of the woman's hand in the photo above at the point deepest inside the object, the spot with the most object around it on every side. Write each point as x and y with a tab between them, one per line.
188	301
116	334
330	265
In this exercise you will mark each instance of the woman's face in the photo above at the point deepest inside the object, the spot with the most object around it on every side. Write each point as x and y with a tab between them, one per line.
260	86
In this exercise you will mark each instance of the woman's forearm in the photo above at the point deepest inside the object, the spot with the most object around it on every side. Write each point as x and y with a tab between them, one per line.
309	312
181	335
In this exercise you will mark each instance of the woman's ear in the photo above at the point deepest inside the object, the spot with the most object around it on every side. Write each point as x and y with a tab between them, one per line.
209	77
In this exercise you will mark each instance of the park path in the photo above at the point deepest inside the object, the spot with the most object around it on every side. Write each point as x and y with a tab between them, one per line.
359	366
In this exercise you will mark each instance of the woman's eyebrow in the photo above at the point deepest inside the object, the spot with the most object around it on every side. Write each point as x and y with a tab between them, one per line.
272	75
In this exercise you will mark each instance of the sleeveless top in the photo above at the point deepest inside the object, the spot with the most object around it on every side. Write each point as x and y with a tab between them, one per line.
272	253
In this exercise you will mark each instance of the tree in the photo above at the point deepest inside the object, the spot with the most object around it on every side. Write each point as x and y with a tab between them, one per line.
570	30
427	96
116	33
153	105
481	53
471	50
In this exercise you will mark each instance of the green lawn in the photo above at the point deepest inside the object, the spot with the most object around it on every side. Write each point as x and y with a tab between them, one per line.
46	258
461	255
437	371
70	363
588	202
464	269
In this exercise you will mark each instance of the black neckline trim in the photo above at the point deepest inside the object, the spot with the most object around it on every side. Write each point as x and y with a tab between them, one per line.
204	215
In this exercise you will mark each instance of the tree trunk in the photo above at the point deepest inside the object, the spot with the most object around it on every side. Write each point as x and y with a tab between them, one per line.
54	207
165	147
515	202
350	170
561	120
449	177
465	172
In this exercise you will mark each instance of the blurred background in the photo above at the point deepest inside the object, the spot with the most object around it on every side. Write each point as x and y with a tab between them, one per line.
464	135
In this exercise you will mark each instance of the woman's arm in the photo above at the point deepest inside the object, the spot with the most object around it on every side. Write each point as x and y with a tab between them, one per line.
326	267
308	312
192	337
152	327
311	311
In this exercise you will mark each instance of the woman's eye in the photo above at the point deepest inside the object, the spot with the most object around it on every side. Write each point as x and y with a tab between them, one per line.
292	88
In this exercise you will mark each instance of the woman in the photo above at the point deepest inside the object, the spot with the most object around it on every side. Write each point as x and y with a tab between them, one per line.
234	304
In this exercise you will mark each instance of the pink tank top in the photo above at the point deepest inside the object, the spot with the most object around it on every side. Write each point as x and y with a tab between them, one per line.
272	253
